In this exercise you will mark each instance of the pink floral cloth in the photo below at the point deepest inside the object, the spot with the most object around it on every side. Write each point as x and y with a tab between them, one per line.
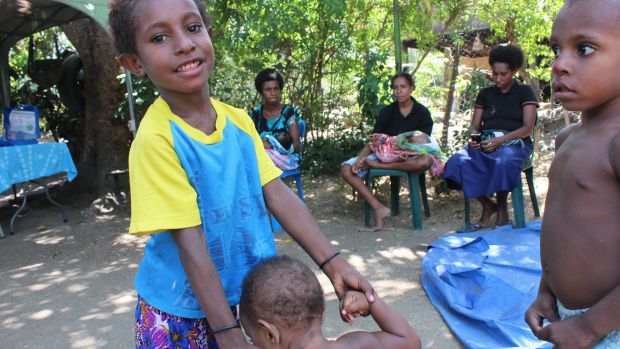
397	148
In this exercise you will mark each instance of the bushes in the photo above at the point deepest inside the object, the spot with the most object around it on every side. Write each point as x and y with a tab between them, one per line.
324	155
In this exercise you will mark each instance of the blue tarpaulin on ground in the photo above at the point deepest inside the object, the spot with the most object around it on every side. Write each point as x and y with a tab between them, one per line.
482	283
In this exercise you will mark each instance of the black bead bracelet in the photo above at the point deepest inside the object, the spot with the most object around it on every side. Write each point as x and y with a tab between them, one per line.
328	259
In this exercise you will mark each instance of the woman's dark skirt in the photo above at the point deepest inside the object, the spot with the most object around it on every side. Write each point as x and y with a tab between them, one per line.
478	174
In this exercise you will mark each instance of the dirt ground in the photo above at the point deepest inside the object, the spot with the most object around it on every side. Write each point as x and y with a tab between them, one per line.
71	285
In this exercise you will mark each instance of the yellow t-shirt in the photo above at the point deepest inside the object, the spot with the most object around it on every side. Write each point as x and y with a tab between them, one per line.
162	197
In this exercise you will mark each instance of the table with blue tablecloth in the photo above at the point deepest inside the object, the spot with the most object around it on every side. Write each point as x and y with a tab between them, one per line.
26	163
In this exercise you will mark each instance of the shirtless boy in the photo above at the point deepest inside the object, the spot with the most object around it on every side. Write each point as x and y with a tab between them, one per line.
580	241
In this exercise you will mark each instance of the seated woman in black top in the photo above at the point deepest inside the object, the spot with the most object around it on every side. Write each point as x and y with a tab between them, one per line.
504	115
403	115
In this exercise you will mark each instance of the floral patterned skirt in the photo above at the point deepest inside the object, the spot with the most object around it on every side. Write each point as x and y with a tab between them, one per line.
159	330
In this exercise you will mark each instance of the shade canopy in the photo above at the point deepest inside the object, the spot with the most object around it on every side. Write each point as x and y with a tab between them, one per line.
22	18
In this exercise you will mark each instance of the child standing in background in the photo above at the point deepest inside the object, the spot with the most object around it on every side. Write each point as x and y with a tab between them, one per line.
201	185
579	290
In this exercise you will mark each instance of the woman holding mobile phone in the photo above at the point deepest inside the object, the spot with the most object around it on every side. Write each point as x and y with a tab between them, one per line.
504	117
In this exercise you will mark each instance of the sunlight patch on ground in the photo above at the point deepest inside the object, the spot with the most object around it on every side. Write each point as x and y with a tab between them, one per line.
80	339
394	288
125	302
76	288
96	316
335	243
399	255
358	263
18	275
12	323
50	240
38	287
41	314
31	267
130	240
105	218
328	289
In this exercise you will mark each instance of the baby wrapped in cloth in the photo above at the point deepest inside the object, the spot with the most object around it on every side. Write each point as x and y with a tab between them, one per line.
408	145
282	152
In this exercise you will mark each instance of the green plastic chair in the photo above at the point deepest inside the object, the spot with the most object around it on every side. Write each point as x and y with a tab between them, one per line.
417	189
518	207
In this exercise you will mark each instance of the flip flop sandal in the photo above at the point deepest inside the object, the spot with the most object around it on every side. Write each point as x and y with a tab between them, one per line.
470	228
506	222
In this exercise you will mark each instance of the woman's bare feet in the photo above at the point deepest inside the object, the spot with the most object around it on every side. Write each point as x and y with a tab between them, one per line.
502	217
488	210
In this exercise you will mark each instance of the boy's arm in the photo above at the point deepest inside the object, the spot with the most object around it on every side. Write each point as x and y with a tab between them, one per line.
395	332
205	282
294	216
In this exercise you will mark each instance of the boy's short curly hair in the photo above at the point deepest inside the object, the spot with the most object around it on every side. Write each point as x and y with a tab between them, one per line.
282	290
121	19
268	74
509	54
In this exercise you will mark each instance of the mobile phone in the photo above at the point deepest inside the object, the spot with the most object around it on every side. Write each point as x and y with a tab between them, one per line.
476	137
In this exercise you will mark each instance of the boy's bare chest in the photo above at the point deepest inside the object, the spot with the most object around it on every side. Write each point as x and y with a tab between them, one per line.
582	162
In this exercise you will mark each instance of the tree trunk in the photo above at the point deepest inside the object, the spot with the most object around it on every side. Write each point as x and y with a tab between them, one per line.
106	139
450	97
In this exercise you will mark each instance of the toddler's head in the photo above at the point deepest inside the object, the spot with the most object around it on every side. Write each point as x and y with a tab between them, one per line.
279	294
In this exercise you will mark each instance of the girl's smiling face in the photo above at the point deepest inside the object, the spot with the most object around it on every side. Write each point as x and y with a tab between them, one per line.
173	46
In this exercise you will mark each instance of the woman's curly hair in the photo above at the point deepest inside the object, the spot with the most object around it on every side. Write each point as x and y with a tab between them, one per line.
509	54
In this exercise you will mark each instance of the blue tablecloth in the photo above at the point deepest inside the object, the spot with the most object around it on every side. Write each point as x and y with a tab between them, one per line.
22	163
482	283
